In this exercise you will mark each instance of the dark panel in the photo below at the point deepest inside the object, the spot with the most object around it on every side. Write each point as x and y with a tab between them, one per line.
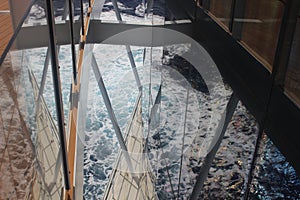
292	78
27	37
260	34
249	78
283	127
252	83
100	32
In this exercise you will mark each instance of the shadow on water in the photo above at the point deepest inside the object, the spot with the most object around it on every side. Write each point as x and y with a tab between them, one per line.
188	71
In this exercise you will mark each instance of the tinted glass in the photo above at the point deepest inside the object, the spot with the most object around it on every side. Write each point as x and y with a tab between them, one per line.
261	25
292	81
222	10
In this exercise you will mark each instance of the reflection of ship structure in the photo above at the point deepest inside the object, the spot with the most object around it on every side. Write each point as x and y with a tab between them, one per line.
137	182
48	180
60	162
162	140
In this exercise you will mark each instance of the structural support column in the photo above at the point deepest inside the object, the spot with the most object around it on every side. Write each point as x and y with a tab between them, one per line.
71	18
57	93
238	12
285	40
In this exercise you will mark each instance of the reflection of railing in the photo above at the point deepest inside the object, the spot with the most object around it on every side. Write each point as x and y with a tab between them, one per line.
137	184
48	183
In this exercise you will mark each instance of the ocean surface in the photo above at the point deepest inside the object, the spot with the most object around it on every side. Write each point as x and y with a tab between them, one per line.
186	111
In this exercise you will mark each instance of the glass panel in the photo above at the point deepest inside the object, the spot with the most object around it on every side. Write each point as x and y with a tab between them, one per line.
16	128
222	10
163	131
29	137
292	80
261	25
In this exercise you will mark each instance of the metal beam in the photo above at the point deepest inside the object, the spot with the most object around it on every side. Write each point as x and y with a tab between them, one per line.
99	33
82	18
145	35
57	92
118	15
42	31
72	37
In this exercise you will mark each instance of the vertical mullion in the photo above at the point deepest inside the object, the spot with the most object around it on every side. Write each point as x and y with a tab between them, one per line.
233	2
57	92
82	17
285	40
71	18
238	12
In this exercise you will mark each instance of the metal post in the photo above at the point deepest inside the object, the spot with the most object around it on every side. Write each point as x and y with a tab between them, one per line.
232	11
57	93
211	154
82	17
71	18
285	40
118	15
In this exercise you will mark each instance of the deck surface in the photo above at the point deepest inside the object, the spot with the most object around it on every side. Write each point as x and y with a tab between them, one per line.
6	29
16	160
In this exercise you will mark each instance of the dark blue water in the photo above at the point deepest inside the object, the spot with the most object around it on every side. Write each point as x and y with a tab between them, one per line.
274	177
